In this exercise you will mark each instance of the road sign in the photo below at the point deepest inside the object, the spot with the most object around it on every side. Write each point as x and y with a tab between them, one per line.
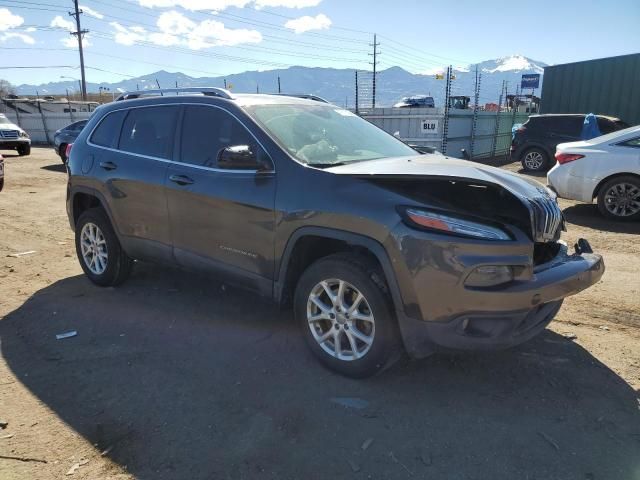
530	80
429	125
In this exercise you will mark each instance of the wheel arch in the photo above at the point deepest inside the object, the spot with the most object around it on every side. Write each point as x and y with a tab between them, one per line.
83	198
299	254
601	183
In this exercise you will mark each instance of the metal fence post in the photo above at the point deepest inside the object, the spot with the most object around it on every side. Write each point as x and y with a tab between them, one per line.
476	108
44	123
497	125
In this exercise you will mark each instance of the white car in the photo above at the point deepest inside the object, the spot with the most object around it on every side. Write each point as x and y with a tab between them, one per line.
605	168
13	137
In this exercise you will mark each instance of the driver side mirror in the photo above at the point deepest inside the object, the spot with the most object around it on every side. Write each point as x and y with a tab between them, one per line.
240	157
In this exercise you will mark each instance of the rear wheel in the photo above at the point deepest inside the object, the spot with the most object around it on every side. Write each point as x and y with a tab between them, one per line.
619	198
99	251
535	160
343	308
24	150
62	151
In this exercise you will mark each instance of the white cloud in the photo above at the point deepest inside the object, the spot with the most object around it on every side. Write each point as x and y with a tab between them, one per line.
195	5
306	23
28	39
128	36
30	29
287	3
91	12
72	42
176	29
9	20
220	5
60	22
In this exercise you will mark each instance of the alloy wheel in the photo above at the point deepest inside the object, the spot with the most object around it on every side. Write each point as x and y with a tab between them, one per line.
623	199
533	160
340	319
94	248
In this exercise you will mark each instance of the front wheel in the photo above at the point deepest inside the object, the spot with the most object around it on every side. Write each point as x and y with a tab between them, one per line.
24	150
343	307
99	251
619	198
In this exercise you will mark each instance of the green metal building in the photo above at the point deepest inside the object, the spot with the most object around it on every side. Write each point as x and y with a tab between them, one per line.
606	86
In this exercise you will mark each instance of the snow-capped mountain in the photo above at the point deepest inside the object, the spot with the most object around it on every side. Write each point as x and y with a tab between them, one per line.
336	85
513	63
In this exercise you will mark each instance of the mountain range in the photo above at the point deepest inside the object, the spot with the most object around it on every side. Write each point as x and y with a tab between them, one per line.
336	85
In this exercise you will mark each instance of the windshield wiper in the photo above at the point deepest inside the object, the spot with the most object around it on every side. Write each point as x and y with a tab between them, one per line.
326	165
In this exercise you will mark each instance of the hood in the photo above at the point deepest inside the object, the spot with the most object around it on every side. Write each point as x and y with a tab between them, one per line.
10	126
439	166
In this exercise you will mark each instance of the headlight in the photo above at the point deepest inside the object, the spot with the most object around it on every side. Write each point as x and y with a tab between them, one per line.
24	135
453	225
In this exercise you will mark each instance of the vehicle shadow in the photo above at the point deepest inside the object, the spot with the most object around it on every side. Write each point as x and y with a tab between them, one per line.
587	215
543	175
55	167
178	377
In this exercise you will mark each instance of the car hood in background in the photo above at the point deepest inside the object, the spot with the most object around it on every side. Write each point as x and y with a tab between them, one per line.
439	166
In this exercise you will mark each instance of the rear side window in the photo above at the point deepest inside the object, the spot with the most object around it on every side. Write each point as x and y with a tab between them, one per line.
565	125
606	126
207	130
108	130
149	131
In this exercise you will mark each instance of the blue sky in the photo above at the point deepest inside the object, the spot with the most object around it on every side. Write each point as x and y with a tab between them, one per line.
215	37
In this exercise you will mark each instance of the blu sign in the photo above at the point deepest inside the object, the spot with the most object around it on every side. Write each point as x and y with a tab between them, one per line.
430	126
531	80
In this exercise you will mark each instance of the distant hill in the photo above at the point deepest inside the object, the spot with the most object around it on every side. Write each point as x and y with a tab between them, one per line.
336	85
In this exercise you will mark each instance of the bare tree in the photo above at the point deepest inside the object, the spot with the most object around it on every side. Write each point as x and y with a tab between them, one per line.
6	88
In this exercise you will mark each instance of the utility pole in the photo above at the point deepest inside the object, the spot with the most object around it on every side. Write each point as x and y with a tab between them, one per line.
279	90
79	34
357	112
375	62
476	108
447	95
225	83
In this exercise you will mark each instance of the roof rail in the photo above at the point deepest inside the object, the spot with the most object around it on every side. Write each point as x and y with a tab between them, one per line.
307	96
207	91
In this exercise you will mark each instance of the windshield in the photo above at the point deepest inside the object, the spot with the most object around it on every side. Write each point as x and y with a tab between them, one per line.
325	135
5	121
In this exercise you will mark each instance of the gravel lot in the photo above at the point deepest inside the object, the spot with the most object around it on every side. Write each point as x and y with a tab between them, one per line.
174	376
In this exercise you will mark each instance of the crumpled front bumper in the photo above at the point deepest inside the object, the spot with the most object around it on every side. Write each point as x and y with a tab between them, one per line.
502	317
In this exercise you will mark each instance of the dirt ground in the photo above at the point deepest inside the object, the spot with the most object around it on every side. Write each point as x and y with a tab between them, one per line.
174	376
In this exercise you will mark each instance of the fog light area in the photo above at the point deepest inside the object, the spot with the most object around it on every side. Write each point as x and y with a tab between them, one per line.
489	276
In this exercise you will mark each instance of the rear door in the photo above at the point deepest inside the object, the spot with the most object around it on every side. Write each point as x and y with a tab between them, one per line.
220	219
563	129
131	170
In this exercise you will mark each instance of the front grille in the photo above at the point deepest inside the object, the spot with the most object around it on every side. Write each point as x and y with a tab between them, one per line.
545	252
547	220
9	133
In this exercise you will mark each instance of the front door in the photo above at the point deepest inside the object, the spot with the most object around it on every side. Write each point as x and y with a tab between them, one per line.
220	219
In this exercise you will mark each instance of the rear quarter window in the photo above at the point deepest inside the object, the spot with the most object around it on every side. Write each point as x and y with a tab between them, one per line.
107	132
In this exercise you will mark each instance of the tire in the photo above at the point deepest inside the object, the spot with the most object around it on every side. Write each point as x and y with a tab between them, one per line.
619	198
357	274
535	160
109	271
62	151
24	151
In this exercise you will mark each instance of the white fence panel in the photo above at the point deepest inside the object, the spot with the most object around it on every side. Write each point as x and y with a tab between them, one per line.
41	127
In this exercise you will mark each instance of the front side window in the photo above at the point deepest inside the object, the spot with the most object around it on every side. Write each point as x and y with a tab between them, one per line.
634	142
149	131
108	130
206	131
325	135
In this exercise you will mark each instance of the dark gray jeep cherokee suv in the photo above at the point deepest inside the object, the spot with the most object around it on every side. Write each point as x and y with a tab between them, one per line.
375	246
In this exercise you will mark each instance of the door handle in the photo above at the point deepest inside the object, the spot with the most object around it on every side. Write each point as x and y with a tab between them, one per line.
108	165
181	179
